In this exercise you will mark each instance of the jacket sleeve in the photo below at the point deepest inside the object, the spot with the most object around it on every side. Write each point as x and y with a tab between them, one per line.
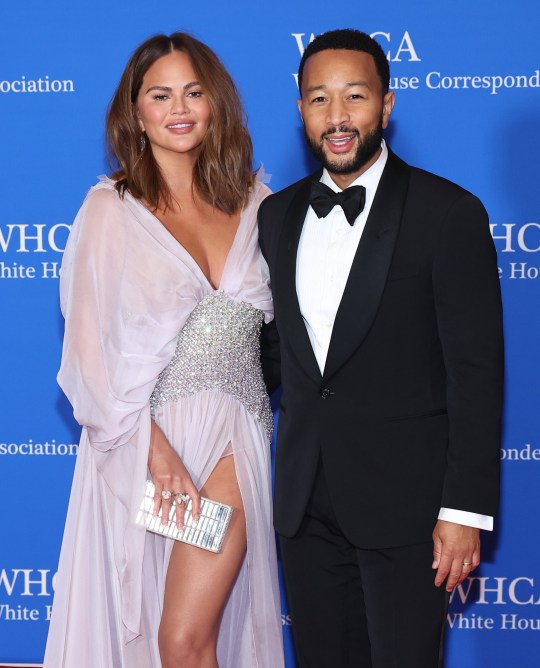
469	315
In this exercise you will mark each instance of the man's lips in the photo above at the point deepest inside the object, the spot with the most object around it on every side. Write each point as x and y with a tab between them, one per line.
340	143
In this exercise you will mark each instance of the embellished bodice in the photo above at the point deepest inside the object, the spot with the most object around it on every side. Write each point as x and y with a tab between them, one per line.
218	350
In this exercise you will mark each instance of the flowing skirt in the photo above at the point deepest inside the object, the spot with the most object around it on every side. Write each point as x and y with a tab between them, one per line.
110	584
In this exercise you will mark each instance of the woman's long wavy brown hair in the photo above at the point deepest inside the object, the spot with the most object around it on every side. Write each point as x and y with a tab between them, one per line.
223	173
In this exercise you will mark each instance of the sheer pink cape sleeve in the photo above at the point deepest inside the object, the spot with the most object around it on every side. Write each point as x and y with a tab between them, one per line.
121	296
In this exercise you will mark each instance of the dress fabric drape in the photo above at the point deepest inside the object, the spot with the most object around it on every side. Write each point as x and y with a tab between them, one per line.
127	290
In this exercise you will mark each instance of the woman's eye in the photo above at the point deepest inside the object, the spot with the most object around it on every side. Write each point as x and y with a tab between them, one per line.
160	98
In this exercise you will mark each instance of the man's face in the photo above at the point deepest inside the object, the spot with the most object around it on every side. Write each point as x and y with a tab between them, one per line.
344	111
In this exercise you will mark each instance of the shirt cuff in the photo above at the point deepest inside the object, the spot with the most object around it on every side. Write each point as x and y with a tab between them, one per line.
467	519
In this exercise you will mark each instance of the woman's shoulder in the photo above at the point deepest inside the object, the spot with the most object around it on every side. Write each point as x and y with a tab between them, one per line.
103	201
104	192
104	212
260	189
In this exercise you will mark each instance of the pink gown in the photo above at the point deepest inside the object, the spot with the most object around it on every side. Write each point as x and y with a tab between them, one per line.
146	334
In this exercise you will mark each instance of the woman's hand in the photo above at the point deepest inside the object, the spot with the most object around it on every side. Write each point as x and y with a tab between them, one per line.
170	475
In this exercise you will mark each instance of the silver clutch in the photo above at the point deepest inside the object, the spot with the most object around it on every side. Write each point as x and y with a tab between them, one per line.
209	532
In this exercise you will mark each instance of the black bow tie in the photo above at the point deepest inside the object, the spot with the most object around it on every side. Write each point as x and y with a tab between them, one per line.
323	199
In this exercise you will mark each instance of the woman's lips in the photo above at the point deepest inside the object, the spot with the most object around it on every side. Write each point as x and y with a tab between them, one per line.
180	128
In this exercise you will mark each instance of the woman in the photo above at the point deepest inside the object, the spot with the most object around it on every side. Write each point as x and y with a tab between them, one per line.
164	293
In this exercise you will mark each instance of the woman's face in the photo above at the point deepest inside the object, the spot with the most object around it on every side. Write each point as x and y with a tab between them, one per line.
172	107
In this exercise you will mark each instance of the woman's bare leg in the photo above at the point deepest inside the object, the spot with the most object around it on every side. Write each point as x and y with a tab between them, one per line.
198	583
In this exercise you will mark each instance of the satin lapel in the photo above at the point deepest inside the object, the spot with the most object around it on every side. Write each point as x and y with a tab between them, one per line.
284	287
370	266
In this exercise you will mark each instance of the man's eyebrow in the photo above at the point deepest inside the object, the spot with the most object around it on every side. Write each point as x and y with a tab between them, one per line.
360	82
349	84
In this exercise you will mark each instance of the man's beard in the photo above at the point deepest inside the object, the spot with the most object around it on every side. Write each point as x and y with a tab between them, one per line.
365	150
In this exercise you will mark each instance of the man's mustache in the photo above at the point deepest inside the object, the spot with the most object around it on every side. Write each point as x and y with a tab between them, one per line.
341	129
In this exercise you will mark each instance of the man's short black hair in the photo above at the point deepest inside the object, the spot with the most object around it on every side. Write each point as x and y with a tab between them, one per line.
352	40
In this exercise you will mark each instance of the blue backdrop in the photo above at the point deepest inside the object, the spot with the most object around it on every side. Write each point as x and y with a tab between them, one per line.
467	79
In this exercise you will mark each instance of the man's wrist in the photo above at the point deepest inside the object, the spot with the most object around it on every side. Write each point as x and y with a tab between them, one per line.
466	518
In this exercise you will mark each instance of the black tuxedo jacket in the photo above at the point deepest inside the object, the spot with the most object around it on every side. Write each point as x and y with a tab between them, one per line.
406	416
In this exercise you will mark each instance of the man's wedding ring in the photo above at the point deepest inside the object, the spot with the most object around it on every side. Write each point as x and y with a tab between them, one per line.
181	498
166	495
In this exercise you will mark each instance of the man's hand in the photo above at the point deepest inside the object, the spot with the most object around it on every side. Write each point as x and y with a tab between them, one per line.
456	552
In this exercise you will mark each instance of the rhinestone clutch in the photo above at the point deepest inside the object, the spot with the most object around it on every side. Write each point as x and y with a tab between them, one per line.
209	532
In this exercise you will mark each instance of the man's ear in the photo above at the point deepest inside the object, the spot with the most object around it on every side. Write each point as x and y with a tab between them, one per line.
388	104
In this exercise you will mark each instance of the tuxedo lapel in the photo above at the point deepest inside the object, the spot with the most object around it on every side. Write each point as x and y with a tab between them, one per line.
367	278
284	286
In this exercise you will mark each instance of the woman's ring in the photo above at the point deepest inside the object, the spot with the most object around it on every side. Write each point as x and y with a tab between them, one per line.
466	563
181	498
166	495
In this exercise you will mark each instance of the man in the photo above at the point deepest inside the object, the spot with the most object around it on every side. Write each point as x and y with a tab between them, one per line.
388	312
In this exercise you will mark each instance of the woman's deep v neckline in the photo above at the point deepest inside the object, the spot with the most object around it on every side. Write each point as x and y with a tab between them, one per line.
190	257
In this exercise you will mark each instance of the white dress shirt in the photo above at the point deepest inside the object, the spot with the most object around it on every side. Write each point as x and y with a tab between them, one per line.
326	251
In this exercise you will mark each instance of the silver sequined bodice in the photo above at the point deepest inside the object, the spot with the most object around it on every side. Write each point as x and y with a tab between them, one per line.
218	349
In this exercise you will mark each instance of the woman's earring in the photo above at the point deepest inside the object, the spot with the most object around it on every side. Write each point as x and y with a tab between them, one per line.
142	142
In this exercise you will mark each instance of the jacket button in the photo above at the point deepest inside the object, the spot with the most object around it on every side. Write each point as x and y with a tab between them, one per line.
326	393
